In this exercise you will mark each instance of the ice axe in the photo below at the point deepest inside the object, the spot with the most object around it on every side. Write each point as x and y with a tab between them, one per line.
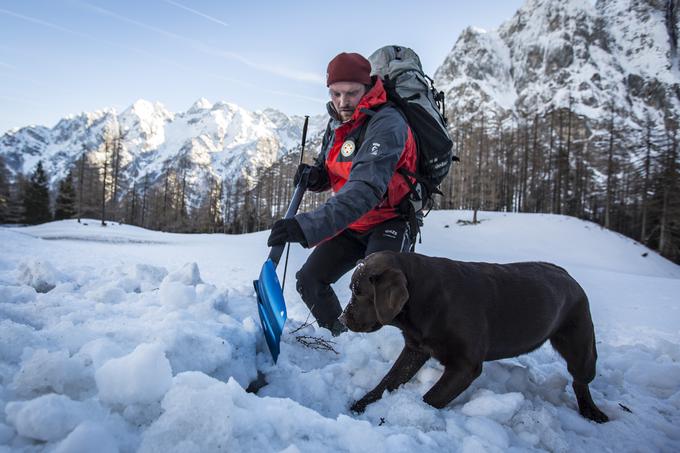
270	303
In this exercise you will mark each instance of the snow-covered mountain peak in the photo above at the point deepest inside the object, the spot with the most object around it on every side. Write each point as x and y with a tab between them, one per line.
559	53
200	105
146	109
220	140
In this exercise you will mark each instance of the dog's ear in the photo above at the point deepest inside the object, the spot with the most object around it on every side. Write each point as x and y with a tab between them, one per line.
390	293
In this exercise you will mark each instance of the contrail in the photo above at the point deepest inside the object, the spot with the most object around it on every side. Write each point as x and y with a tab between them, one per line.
284	72
198	13
209	50
44	23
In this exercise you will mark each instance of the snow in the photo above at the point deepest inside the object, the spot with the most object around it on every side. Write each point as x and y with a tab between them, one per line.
121	339
143	376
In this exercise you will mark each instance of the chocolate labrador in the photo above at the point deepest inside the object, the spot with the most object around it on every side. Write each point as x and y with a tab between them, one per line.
463	314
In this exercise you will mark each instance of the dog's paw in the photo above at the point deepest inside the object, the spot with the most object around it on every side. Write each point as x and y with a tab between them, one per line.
594	414
359	406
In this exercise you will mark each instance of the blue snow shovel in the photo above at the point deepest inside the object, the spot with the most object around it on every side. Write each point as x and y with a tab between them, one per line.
270	303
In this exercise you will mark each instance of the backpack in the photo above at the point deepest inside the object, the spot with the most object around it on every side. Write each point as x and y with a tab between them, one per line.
413	93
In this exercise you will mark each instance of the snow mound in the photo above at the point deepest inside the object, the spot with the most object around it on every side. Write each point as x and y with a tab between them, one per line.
143	376
46	418
116	345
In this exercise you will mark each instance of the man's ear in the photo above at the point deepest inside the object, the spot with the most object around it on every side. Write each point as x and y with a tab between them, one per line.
390	293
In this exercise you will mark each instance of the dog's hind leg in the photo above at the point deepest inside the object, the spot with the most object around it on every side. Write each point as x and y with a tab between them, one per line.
575	342
406	366
455	379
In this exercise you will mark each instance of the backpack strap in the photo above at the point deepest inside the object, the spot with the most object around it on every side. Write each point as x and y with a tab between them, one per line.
364	127
406	208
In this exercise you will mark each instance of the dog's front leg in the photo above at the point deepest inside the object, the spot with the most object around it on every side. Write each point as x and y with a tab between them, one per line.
451	384
407	365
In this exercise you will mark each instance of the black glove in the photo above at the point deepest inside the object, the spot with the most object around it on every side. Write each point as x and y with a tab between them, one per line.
317	180
286	230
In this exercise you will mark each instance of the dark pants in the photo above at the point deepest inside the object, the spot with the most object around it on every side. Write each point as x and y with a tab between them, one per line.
330	260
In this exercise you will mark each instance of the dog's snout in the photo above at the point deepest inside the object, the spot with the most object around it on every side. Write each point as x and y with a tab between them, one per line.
343	319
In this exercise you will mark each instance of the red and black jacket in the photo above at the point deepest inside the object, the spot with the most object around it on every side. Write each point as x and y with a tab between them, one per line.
364	179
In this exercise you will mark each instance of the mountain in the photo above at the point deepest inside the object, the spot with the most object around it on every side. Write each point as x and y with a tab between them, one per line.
219	140
620	54
569	107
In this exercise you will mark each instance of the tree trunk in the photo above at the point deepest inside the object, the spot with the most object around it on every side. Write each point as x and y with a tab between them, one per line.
106	146
645	184
610	175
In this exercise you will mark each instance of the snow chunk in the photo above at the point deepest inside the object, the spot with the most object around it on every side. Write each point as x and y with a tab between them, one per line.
143	376
99	351
187	275
47	418
184	426
183	344
178	289
13	338
149	276
176	294
407	408
86	438
39	274
489	432
203	414
496	407
45	371
107	294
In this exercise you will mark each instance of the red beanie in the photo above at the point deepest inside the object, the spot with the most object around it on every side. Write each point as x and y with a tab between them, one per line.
348	67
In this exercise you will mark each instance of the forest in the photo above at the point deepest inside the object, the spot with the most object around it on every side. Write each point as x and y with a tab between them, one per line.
623	178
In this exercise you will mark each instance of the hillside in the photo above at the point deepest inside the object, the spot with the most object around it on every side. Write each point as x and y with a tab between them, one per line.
118	338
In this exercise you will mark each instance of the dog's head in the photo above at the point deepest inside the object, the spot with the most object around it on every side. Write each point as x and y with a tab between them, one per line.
379	293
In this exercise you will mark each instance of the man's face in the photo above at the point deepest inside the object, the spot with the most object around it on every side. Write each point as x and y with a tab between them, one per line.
345	97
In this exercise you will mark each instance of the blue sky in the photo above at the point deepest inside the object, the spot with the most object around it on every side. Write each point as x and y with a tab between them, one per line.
60	57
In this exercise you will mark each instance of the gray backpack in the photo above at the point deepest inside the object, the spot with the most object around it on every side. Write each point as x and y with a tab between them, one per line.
413	92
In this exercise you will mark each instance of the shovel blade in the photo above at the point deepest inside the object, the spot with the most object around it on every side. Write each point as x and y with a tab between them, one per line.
271	306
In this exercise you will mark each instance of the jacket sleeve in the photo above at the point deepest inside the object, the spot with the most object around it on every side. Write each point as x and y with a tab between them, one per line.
372	169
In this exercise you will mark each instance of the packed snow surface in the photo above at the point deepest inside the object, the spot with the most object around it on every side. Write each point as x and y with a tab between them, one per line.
119	339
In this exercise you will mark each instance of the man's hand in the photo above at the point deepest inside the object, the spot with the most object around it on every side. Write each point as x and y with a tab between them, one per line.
317	179
286	230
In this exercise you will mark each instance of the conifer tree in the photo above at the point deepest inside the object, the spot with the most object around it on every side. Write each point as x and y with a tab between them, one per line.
66	198
37	198
5	193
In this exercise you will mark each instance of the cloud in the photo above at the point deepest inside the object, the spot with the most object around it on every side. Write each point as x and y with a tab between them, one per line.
198	13
277	70
209	50
43	23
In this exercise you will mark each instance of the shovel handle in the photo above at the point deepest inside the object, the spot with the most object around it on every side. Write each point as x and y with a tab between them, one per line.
276	251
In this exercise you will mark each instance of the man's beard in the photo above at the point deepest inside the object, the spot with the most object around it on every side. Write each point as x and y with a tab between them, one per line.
345	114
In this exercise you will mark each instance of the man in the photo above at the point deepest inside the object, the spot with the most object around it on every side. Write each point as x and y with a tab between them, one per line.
364	216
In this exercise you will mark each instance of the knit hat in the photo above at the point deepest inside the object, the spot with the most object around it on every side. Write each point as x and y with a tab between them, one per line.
348	67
